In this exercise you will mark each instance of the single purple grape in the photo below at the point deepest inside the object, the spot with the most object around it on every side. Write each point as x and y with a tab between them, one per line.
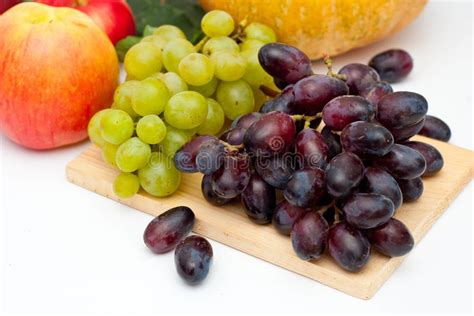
434	159
185	158
368	210
392	239
412	189
259	200
343	174
343	110
435	128
392	65
309	236
401	109
376	91
209	194
359	77
193	257
285	214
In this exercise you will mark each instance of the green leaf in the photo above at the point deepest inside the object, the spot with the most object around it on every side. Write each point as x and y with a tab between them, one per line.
125	44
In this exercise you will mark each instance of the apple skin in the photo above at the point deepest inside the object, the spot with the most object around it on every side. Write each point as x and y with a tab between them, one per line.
113	16
7	4
57	68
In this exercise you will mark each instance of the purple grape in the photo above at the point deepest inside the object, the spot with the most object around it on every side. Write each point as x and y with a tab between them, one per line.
412	189
311	148
405	133
309	236
209	194
193	257
376	91
276	171
343	174
434	159
401	109
306	187
312	93
435	128
359	77
284	102
333	141
259	200
368	210
280	83
244	121
185	158
366	139
284	62
402	162
392	239
234	136
379	181
341	111
210	156
285	214
165	231
232	177
348	247
392	65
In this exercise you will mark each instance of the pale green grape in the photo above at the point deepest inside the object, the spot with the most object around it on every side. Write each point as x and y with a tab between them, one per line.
235	97
174	140
123	97
132	155
93	128
255	74
159	177
158	41
143	60
150	97
251	44
206	90
186	110
172	81
228	66
175	51
126	185
215	119
116	126
259	98
109	152
259	31
217	44
196	69
217	23
151	129
169	32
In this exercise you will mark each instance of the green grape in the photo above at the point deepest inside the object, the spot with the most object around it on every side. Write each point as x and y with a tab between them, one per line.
259	31
235	97
151	129
206	90
172	81
196	69
158	41
217	23
186	110
174	140
126	185
259	97
116	126
214	121
150	97
132	155
228	65
93	128
251	44
159	177
255	74
109	152
123	97
169	32
175	51
143	60
217	44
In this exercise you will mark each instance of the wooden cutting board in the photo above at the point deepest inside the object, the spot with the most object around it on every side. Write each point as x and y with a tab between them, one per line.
229	224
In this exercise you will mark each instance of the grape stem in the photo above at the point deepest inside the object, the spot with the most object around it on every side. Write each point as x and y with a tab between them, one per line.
328	62
306	118
239	33
231	147
201	43
268	91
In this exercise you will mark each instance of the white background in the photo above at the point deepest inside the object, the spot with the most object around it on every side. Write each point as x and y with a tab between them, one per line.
66	250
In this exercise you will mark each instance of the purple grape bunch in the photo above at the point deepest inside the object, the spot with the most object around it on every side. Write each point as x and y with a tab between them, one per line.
340	187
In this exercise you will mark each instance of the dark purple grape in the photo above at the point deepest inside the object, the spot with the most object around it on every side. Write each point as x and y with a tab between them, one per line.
311	148
309	236
185	158
402	162
284	62
284	102
210	156
209	194
330	215
232	177
392	65
341	111
379	181
333	141
234	136
166	230
434	159
306	187
401	109
376	91
312	93
368	210
271	135
276	170
280	83
412	189
193	257
359	77
366	139
348	247
285	214
392	239
343	174
259	200
244	121
405	133
435	128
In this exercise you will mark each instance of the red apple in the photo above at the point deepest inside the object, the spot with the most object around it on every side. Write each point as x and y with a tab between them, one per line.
7	4
57	68
113	16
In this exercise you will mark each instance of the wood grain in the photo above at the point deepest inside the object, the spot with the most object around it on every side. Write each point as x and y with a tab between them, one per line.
230	226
